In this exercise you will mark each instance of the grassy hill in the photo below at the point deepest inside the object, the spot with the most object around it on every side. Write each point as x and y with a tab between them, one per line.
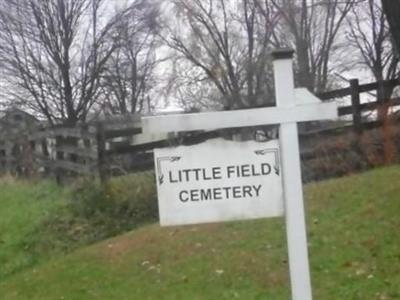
354	242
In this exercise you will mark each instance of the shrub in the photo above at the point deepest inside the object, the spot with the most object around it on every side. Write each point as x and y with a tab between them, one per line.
132	199
95	212
123	203
349	153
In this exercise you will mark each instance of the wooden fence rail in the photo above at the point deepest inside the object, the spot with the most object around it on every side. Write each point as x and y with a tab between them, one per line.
91	149
355	86
63	151
357	108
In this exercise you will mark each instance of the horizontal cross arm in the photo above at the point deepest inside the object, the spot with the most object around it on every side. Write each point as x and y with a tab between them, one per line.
240	118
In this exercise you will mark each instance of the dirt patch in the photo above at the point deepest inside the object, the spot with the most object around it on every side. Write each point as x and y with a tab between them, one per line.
152	237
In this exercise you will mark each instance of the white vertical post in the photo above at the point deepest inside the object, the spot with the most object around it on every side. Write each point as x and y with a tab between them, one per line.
292	184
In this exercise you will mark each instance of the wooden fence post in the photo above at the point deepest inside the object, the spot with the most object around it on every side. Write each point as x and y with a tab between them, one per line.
101	152
355	102
58	156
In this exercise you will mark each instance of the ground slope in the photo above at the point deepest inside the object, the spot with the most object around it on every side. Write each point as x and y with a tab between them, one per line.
353	228
23	206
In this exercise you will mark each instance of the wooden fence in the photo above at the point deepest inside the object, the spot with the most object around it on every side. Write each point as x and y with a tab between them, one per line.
118	145
64	151
356	109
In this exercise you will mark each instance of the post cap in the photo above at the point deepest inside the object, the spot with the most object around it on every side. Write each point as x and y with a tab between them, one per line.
283	53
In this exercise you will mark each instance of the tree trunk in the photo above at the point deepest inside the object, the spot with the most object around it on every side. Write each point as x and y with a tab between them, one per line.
304	74
392	12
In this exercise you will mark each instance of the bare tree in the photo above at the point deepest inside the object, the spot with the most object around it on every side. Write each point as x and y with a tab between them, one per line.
312	28
129	74
369	33
226	43
53	52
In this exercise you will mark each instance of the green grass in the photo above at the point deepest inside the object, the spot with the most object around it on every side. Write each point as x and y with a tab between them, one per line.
23	206
40	220
353	229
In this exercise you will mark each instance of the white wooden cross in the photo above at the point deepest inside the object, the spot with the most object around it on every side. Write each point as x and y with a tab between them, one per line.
293	105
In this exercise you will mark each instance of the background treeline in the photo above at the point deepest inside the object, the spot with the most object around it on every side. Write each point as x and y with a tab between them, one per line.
67	61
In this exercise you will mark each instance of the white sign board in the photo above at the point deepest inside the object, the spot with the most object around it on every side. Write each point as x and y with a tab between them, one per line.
218	180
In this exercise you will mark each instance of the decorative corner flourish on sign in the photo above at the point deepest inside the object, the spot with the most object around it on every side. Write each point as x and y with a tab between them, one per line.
275	151
159	169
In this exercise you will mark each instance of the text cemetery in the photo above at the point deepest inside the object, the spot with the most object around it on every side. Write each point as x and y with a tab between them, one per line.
220	193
